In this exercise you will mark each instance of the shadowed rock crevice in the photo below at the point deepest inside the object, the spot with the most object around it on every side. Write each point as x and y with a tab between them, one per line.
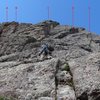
84	96
95	94
87	48
64	82
56	79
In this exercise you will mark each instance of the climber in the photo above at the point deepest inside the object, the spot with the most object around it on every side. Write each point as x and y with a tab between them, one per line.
74	30
45	52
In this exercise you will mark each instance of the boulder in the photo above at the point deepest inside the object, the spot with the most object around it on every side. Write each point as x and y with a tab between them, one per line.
65	93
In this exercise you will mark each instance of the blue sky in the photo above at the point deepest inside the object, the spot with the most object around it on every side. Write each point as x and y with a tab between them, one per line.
34	11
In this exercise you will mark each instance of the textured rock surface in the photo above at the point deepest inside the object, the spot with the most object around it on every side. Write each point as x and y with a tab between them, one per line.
86	76
29	80
65	93
73	73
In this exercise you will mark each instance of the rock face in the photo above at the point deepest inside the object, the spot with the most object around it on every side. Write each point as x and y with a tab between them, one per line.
29	80
73	72
86	76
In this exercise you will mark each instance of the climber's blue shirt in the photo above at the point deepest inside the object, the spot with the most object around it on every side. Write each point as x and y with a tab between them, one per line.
44	49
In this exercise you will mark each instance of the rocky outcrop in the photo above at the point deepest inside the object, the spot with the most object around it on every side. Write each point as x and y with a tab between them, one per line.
86	76
29	81
73	72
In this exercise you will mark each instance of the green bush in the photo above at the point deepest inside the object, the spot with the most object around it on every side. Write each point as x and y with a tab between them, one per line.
66	67
2	98
5	98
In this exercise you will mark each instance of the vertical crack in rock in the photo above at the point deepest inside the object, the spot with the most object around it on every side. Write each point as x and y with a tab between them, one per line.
56	80
72	83
64	86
